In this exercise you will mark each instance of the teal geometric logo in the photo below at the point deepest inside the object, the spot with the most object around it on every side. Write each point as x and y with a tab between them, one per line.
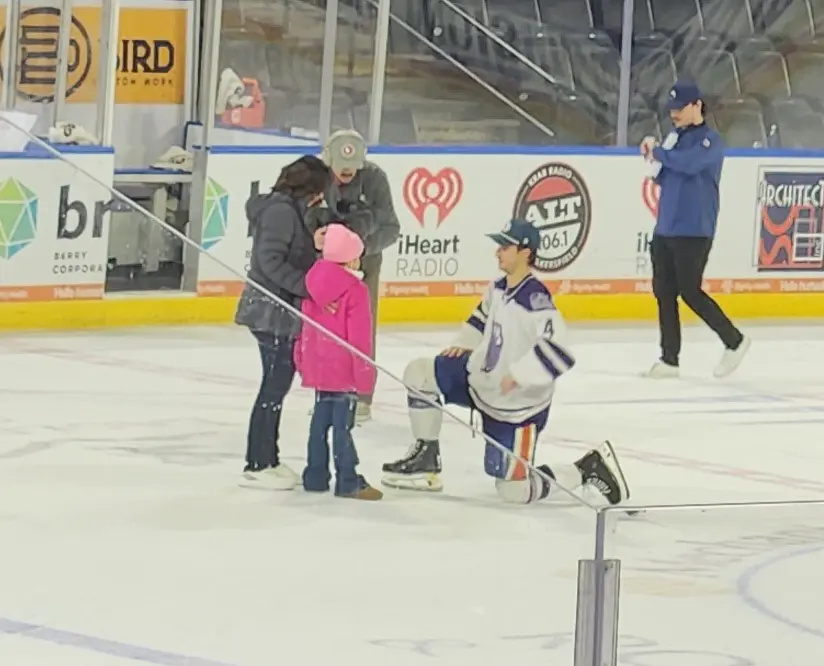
216	213
18	217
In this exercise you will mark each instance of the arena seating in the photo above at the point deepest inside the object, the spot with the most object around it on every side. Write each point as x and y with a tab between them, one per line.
759	62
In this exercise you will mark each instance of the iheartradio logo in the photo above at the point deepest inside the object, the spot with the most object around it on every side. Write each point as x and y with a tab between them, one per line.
651	193
432	197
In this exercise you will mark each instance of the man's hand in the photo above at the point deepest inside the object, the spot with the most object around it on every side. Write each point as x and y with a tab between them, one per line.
508	384
316	200
455	351
647	145
319	237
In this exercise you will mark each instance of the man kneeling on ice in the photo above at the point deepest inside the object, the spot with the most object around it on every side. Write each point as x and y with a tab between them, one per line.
504	365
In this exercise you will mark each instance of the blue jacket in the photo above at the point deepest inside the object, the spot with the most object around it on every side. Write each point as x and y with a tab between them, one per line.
689	178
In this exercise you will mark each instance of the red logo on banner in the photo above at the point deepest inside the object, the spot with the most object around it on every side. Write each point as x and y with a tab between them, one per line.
651	193
441	191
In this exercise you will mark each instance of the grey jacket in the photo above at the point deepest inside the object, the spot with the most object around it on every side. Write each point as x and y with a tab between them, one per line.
283	251
365	206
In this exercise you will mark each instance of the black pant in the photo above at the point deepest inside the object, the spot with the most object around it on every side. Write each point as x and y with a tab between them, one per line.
264	425
677	270
371	267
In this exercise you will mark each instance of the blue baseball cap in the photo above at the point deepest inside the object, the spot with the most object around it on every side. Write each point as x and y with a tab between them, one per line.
682	94
518	232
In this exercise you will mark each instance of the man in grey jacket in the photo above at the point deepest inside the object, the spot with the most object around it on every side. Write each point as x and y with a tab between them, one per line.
361	197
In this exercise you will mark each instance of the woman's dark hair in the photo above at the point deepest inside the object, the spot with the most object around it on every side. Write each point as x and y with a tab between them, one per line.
304	178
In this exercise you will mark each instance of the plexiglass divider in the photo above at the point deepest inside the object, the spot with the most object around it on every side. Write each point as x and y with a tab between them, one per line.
713	584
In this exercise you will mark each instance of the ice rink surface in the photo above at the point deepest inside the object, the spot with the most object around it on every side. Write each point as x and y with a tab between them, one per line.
126	538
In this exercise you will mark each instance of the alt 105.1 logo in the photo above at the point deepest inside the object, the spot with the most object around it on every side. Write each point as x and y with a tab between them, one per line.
555	199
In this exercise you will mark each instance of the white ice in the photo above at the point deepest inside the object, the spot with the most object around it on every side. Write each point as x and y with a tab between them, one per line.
125	537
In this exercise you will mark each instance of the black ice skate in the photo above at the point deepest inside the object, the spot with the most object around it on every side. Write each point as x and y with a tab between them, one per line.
417	470
600	469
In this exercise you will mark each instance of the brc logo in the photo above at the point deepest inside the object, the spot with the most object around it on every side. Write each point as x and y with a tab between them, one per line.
431	196
215	213
18	217
71	229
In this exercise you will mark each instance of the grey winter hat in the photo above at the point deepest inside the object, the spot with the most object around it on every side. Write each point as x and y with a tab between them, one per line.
345	150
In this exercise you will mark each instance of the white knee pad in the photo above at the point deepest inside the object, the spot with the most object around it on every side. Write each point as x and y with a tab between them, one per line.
424	418
519	492
420	374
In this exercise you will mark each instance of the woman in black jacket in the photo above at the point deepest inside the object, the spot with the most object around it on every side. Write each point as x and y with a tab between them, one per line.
283	251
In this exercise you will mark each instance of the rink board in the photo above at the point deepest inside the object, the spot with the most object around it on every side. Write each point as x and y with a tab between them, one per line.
595	209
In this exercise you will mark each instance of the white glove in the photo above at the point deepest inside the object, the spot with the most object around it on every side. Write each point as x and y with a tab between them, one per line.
647	145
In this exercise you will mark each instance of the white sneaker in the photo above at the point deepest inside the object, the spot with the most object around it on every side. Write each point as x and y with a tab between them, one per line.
661	370
731	359
281	477
363	413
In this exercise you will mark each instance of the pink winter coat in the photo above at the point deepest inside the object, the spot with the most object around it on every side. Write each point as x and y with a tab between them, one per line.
339	301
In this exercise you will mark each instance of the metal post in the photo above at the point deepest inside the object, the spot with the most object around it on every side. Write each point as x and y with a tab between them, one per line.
61	73
209	68
107	75
379	71
596	622
11	54
193	62
207	110
625	82
327	80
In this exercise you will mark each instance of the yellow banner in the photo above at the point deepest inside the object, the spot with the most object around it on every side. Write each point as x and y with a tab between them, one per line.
151	54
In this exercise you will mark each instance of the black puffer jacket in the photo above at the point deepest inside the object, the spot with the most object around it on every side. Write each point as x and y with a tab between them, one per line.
283	251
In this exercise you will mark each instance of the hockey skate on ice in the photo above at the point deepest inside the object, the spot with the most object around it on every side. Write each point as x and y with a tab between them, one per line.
601	470
417	470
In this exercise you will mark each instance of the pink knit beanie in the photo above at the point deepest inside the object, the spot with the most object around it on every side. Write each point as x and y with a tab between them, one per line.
340	245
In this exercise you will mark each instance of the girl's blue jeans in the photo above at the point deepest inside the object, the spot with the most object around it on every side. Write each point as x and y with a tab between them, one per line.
333	412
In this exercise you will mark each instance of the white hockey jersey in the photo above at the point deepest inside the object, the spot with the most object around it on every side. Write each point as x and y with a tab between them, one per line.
516	332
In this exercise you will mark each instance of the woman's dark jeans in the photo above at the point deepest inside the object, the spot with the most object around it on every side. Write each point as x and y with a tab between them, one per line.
276	357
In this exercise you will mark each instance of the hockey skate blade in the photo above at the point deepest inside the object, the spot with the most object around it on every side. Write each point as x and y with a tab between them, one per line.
611	461
430	483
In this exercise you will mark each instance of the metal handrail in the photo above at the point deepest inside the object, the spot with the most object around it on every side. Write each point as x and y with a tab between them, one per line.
702	506
546	76
599	592
603	512
465	70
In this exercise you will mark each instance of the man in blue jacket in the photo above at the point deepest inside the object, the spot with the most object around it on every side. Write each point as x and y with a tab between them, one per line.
688	165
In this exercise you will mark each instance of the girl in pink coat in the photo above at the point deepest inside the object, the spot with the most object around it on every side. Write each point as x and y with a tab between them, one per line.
338	301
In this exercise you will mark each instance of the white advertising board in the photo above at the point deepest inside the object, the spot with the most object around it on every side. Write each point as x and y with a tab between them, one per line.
595	213
54	227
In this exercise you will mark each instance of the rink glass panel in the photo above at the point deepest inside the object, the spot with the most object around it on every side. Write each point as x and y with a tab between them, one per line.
719	587
757	62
